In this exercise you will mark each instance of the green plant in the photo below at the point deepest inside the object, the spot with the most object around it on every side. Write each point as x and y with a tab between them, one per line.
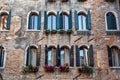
64	68
61	31
53	31
85	70
47	31
69	31
30	68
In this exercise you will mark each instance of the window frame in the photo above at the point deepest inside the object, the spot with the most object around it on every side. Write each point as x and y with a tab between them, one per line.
116	17
4	12
25	61
36	12
4	58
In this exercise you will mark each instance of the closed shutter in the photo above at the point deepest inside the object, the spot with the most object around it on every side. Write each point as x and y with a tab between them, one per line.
45	20
28	56
57	20
76	20
58	56
39	21
70	19
113	22
72	56
88	20
61	21
30	21
109	56
91	56
46	55
77	56
38	55
109	21
9	20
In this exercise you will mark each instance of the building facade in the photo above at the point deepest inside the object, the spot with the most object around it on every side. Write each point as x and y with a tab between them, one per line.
40	37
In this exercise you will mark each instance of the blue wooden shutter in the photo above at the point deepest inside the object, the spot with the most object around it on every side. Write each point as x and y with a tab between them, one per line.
57	20
45	20
77	56
91	56
46	55
113	21
39	21
30	21
58	56
70	19
61	21
72	56
9	20
88	20
76	20
109	56
28	56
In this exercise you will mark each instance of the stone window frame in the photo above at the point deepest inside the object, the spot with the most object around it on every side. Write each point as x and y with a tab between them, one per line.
117	21
6	12
54	13
117	46
33	11
26	52
5	54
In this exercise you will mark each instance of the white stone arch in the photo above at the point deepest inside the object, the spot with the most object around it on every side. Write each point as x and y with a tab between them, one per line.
116	17
64	11
51	11
32	11
3	11
4	56
67	46
115	45
82	11
26	51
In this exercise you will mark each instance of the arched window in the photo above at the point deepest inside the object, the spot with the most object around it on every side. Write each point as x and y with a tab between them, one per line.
34	21
2	56
111	21
32	56
64	22
51	21
64	56
82	21
3	21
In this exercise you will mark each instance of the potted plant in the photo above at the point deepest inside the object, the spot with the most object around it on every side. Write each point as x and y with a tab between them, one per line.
47	31
61	31
69	31
30	68
54	31
64	68
49	68
85	70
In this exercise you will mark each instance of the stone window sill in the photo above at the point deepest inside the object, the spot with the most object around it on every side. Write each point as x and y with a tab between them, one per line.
113	32
83	32
33	30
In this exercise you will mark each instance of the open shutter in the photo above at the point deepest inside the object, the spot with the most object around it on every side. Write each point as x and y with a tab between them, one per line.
30	21
45	20
76	20
70	19
77	56
46	55
72	56
58	56
109	56
113	22
39	21
88	20
9	20
90	52
61	21
28	56
57	20
38	55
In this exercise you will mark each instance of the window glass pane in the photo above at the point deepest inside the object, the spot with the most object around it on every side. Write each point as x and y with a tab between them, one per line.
67	56
81	57
80	22
86	56
3	22
34	21
33	56
84	22
49	22
66	22
62	57
49	57
54	22
1	57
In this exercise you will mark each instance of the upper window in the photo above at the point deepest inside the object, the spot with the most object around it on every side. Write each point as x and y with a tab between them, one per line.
32	56
114	56
2	56
50	56
82	21
52	21
111	21
5	20
34	21
64	56
84	56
